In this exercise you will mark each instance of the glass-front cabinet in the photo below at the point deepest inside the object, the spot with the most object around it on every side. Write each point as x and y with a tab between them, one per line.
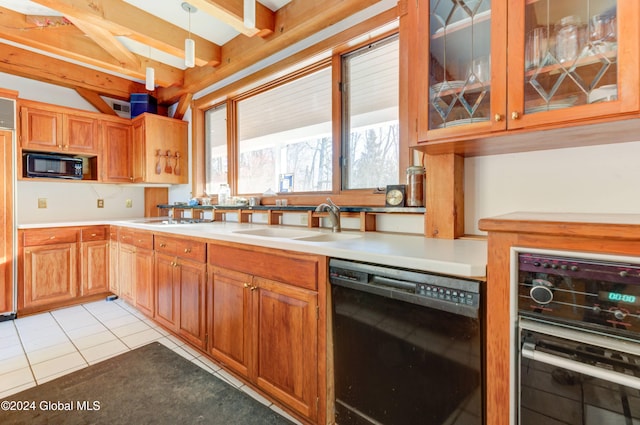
488	66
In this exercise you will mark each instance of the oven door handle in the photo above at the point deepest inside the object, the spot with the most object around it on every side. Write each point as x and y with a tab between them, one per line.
529	352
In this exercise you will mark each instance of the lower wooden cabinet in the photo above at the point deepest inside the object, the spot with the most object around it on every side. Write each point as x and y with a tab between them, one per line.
136	270
61	266
266	329
180	287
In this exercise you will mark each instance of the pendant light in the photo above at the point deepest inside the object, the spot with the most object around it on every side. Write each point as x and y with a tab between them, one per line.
150	76
189	43
250	14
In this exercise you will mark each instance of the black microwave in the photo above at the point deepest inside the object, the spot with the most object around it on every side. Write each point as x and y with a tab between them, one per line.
51	165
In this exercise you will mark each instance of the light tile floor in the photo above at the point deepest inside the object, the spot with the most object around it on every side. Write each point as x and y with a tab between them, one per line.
36	349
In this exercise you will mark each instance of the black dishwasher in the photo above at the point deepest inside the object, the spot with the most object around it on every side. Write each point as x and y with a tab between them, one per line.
407	346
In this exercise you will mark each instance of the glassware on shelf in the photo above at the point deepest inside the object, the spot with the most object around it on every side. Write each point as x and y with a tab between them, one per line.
569	38
536	47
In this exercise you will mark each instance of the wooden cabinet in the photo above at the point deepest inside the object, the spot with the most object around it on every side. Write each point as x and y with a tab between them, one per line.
6	223
528	85
114	286
61	266
180	287
117	152
160	149
48	268
264	321
135	268
94	260
56	129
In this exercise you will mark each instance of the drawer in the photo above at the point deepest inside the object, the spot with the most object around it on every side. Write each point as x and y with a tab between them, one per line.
137	238
183	248
196	251
34	237
95	233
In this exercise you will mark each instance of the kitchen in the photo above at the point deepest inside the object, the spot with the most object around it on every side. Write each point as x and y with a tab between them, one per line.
571	179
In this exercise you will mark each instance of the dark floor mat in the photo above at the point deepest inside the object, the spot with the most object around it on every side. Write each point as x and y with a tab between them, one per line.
149	385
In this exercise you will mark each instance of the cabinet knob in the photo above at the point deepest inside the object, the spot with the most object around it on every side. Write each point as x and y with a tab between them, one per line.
515	115
187	250
246	285
93	235
253	288
52	237
163	245
497	117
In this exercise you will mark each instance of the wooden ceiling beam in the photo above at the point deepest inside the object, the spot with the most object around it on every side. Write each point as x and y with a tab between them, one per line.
69	42
232	13
94	99
24	63
122	19
295	21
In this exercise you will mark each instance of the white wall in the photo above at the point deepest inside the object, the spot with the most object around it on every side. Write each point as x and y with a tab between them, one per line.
595	179
67	201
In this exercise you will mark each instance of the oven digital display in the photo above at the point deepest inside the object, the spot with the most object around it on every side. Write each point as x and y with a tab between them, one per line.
618	297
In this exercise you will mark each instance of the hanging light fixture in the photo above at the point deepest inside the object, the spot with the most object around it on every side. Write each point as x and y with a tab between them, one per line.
189	43
150	76
250	13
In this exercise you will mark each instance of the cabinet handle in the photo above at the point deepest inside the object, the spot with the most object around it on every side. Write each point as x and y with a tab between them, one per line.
515	115
139	240
246	285
52	237
163	245
497	117
253	288
93	235
187	250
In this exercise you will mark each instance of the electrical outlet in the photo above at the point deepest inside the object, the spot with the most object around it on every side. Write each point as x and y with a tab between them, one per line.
128	203
42	202
100	203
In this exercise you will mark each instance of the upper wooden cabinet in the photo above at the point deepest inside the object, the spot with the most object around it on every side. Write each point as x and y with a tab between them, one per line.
486	69
160	150
53	129
117	152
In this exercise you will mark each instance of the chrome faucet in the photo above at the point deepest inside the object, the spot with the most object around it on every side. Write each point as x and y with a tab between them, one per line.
334	213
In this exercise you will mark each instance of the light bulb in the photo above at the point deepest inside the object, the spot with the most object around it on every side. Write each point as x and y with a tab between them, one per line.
189	53
150	78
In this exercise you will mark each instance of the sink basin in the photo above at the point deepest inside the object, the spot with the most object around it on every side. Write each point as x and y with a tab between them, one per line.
297	234
164	222
278	233
329	237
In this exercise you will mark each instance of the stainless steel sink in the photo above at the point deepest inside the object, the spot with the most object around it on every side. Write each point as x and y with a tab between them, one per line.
329	237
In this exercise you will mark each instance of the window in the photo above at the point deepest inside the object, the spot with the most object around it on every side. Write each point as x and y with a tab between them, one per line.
284	137
370	116
216	168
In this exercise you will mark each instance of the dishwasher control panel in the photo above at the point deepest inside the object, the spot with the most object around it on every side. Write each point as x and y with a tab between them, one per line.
447	294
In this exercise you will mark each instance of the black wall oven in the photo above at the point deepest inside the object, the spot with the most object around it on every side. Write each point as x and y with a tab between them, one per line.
407	346
578	357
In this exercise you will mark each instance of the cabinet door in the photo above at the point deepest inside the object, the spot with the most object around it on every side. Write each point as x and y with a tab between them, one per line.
49	274
117	152
285	336
139	160
113	268
81	134
192	301
41	129
6	222
167	292
126	271
230	318
94	260
462	46
144	281
163	149
572	60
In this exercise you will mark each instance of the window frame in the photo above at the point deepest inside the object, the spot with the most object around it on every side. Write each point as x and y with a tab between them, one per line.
369	32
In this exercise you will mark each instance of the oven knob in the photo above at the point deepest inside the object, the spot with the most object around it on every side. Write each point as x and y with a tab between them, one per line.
624	273
619	314
542	291
545	265
597	309
574	268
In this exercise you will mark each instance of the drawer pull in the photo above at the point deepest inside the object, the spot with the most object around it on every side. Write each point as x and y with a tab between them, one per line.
163	245
139	240
246	285
52	237
253	288
93	235
187	250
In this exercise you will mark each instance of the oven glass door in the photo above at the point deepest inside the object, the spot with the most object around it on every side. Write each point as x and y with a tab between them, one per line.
402	363
573	383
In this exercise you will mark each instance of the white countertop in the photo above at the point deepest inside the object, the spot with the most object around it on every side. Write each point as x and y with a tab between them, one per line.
459	257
